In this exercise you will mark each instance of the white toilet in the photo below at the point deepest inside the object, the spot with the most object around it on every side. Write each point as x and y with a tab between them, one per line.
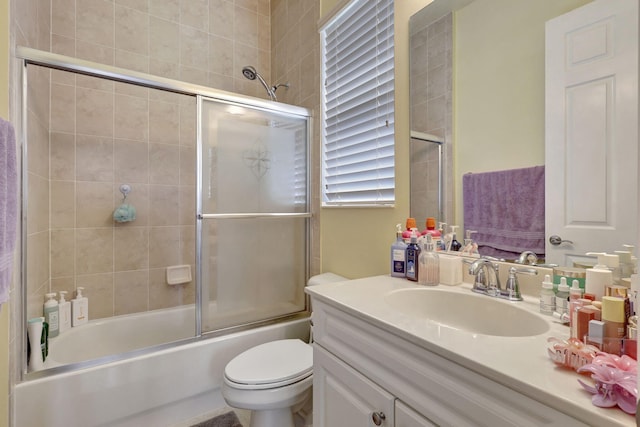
274	379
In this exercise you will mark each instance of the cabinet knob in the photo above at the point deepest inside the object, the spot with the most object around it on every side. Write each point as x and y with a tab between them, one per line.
378	418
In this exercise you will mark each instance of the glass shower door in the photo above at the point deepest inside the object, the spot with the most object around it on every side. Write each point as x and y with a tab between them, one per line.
253	215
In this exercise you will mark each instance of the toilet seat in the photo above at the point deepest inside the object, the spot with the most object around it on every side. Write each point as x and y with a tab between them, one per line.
270	365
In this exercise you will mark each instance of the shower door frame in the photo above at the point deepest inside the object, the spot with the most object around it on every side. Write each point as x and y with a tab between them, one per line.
30	56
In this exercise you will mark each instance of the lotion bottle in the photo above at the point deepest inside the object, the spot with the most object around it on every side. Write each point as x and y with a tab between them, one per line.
51	315
547	297
562	297
398	255
79	309
64	308
429	264
413	254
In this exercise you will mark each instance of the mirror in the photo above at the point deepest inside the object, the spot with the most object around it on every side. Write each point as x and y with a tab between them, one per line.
487	92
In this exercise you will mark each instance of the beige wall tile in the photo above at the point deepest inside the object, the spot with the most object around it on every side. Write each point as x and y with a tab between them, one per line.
131	248
63	17
187	205
141	5
132	61
63	249
63	212
163	205
63	157
94	204
162	295
166	69
63	107
95	52
164	40
94	158
188	122
164	122
98	288
194	75
164	246
131	90
194	45
221	13
131	292
245	26
188	245
195	13
221	55
164	164
95	21
67	284
94	250
131	161
94	110
187	166
131	117
166	9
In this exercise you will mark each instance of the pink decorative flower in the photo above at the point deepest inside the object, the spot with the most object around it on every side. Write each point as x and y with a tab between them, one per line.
613	386
624	362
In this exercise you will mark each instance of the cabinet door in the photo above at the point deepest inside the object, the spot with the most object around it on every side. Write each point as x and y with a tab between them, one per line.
407	417
343	397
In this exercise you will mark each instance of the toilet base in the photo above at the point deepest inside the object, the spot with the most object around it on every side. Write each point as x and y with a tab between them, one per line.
272	418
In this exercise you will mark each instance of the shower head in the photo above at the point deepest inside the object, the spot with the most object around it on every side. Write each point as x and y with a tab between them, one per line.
250	72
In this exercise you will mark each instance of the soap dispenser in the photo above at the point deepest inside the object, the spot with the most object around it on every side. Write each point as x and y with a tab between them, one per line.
413	255
470	247
64	309
51	315
79	308
454	245
429	264
398	255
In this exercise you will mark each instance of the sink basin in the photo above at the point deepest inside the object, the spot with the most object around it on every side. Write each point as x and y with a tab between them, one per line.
478	314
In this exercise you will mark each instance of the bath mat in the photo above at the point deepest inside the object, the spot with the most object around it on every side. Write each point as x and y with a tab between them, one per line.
229	419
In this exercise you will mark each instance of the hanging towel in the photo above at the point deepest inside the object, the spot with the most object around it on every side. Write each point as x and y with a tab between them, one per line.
506	208
8	205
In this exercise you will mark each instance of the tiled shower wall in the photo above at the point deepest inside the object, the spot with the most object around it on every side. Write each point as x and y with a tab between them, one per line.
431	76
104	134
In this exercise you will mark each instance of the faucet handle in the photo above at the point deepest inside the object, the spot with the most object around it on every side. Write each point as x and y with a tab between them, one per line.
512	289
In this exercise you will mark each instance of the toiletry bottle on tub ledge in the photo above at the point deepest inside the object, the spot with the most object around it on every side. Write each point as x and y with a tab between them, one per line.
79	309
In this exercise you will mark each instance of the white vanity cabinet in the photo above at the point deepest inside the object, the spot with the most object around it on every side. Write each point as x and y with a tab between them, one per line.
367	373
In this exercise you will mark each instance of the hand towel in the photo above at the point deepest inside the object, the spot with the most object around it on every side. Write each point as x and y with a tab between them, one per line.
8	205
506	208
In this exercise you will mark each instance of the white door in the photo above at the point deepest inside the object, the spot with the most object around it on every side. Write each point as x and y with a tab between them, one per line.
591	140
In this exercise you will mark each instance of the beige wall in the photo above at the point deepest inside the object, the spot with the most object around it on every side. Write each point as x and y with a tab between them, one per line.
355	242
4	314
499	85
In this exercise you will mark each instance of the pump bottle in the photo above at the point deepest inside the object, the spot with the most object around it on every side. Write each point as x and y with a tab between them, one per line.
429	268
398	255
51	315
64	309
413	255
79	309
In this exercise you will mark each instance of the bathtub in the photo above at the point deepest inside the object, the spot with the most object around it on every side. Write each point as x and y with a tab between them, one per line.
158	388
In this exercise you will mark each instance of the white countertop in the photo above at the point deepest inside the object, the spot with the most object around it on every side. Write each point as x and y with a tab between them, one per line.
520	363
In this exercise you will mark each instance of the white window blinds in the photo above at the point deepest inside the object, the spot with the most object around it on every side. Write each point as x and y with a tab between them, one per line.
358	110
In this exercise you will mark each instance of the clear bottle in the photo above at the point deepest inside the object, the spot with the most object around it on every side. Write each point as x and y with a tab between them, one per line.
51	315
399	255
429	264
562	297
547	297
413	255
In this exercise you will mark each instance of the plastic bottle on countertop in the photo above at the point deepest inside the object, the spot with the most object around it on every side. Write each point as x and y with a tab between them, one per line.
547	297
470	247
399	255
562	297
410	226
429	270
610	262
454	245
79	309
413	257
64	309
443	243
52	315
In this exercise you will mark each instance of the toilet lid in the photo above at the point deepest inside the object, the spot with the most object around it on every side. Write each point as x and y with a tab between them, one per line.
272	362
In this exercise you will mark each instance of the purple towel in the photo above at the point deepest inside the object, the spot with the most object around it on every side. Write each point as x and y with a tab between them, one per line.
506	208
8	205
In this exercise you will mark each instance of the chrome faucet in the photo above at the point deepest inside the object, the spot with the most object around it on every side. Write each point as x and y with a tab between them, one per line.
487	280
527	257
512	289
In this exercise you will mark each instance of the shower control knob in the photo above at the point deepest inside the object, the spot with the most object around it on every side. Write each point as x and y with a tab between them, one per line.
378	418
556	240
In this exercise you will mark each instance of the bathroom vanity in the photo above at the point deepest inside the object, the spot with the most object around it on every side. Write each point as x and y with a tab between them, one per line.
380	360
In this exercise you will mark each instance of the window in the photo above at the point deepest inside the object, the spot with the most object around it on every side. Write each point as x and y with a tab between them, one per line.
357	106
